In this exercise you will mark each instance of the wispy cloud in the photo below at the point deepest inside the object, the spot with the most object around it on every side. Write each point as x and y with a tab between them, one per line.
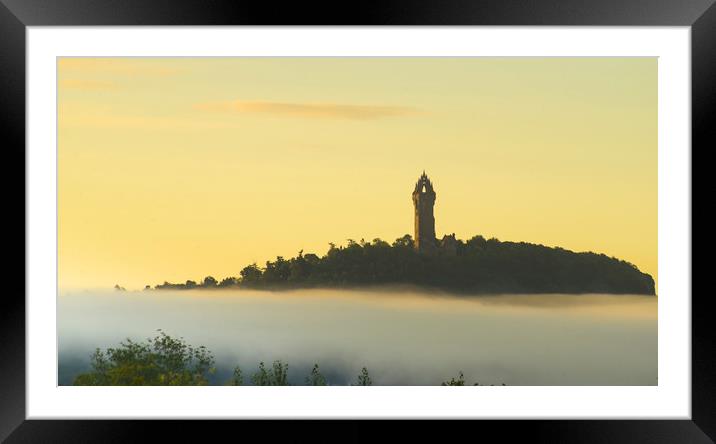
310	110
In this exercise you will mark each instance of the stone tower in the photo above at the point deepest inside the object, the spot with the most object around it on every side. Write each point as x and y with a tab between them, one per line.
424	200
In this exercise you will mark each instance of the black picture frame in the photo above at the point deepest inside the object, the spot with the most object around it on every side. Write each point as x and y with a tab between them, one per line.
16	15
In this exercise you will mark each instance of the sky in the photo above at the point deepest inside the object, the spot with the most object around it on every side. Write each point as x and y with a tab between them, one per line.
178	168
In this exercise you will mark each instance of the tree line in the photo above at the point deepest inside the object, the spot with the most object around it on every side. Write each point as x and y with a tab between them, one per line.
477	266
164	360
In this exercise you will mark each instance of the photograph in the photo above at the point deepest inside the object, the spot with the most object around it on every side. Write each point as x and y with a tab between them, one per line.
357	221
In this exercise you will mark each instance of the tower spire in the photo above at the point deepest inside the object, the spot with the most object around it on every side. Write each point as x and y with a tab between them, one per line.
424	200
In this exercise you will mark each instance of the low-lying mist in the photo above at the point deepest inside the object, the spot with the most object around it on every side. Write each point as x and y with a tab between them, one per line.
403	337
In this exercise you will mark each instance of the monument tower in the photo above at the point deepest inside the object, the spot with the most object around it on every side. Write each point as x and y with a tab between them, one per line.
424	200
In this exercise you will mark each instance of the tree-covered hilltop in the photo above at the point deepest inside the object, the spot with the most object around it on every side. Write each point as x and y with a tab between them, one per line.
478	266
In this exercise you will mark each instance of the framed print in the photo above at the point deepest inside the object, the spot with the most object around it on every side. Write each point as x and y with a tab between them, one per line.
216	208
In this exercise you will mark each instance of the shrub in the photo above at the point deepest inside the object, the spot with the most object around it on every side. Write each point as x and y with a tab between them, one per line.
364	377
162	360
316	378
277	375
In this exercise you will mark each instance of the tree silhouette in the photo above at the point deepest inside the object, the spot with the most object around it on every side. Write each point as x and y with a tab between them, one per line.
475	266
251	275
459	381
316	378
228	282
237	377
162	360
277	375
364	377
209	282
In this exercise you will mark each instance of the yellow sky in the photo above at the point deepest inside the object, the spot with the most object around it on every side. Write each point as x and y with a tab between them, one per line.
177	168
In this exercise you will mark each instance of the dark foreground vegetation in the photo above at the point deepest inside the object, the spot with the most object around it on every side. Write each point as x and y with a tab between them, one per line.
164	360
478	266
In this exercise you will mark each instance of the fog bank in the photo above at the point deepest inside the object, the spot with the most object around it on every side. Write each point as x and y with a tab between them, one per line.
402	337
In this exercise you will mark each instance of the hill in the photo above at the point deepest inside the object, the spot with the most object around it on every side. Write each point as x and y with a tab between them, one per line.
478	266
